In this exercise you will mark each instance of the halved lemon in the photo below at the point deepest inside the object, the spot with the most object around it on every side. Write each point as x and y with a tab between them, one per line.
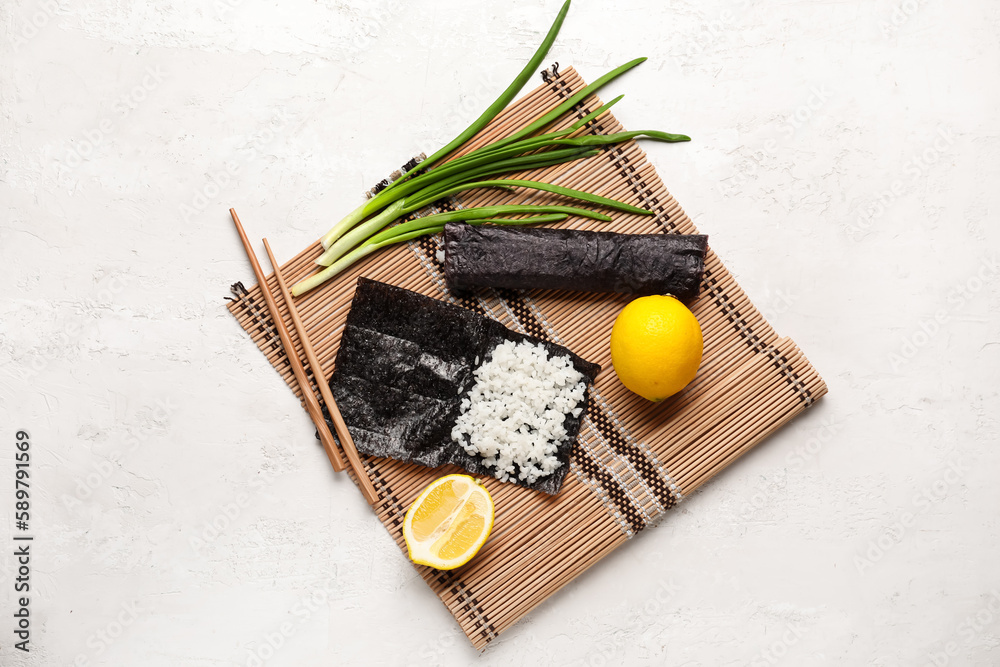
448	522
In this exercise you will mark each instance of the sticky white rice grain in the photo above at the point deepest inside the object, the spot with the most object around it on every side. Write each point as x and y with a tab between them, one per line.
514	415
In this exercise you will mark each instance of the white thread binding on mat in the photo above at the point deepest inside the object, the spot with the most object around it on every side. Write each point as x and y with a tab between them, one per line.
602	495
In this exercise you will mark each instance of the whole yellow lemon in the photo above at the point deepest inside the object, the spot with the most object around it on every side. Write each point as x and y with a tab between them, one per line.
656	346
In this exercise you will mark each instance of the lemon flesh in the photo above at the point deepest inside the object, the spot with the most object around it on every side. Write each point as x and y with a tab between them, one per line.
448	522
656	346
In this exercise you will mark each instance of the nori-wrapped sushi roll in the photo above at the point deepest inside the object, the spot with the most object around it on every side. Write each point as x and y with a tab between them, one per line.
570	259
405	363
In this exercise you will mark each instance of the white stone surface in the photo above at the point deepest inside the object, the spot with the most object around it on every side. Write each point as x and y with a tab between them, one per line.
844	162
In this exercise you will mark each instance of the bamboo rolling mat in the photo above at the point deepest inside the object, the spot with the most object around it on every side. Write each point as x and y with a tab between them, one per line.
634	459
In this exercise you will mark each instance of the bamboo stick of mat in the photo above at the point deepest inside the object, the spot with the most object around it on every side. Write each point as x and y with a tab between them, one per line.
346	441
312	405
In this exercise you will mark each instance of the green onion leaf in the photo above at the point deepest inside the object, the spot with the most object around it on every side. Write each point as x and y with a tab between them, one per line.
538	185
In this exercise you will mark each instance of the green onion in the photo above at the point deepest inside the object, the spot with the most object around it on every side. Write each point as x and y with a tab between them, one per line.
531	162
523	163
370	227
423	223
543	139
360	233
619	137
511	162
357	254
512	209
534	185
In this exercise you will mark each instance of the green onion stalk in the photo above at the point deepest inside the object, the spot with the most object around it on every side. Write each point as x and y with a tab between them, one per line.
370	228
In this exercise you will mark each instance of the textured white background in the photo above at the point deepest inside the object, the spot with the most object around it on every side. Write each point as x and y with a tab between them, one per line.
844	162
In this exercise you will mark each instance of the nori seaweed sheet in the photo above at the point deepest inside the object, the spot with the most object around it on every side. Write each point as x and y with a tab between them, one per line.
405	363
572	259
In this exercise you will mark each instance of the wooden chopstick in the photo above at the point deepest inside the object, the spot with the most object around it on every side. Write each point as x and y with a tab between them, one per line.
312	405
346	441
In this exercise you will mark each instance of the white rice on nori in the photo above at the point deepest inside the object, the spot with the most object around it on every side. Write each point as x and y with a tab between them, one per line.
514	416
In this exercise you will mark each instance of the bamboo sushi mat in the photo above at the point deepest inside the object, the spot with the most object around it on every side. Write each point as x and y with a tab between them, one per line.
634	459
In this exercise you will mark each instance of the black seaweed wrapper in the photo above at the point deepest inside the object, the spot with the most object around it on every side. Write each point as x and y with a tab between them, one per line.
573	259
405	363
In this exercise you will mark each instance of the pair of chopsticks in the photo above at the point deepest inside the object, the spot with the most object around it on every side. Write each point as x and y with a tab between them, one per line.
312	405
